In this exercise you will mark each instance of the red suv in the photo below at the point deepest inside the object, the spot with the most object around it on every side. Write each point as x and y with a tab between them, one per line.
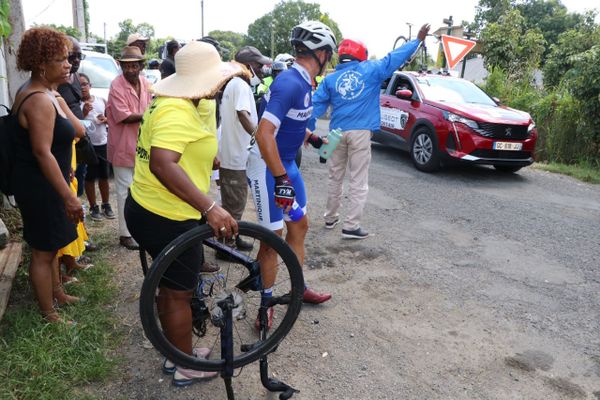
438	117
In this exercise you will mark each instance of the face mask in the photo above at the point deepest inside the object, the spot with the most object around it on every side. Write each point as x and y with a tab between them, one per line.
255	80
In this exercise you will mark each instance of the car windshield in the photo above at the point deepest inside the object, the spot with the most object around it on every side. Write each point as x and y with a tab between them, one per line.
101	71
452	91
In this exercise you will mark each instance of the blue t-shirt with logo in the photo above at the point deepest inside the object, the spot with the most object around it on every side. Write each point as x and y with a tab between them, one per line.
288	105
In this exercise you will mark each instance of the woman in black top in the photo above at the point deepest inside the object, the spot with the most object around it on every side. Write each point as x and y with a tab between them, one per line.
48	207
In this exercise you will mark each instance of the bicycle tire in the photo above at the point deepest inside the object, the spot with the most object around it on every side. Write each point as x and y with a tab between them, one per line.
150	318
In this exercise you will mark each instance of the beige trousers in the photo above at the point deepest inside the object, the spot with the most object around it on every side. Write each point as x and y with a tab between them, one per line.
353	153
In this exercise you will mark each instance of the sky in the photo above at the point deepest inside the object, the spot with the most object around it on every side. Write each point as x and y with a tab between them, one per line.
376	22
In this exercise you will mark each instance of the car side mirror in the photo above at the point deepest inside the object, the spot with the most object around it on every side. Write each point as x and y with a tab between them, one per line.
496	100
404	94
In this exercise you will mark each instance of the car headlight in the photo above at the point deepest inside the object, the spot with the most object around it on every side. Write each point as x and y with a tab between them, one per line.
530	127
457	118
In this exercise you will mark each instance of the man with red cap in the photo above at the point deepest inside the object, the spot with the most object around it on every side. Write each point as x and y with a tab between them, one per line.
353	93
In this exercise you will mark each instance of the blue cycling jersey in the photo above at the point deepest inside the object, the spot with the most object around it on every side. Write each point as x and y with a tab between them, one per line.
288	105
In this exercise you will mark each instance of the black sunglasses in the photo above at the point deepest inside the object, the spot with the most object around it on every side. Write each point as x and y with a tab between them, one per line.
73	56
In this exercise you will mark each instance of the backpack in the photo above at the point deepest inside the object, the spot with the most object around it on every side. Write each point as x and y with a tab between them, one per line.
9	125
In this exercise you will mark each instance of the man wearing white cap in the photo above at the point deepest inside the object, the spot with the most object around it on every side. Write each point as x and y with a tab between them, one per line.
139	41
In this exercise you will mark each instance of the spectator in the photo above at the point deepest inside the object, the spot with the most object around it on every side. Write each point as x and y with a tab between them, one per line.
127	100
139	41
238	123
355	110
43	162
167	67
71	92
94	109
176	151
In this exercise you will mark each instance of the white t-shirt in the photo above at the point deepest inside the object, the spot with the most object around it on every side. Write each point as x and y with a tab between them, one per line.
98	133
233	149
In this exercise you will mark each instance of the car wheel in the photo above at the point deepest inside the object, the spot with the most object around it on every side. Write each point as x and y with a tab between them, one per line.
507	168
423	150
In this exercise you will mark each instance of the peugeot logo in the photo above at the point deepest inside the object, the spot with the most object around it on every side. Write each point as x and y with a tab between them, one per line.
508	132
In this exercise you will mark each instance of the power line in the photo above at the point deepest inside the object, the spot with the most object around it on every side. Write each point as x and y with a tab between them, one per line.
45	9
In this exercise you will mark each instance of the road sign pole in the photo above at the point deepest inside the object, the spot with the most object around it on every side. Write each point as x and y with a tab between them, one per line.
447	21
468	34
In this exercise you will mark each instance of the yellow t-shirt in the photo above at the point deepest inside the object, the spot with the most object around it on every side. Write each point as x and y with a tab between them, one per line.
176	125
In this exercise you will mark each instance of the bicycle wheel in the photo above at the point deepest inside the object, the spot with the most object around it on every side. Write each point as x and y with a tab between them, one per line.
238	278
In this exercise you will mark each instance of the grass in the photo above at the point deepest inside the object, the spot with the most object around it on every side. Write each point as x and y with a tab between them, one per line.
585	172
53	361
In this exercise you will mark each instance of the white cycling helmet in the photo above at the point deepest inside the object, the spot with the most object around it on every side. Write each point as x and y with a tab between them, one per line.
286	58
314	35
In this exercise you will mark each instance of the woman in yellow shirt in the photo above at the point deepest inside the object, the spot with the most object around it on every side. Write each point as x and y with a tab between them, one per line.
176	147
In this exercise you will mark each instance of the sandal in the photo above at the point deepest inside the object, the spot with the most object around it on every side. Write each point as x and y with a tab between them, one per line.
63	299
79	267
52	317
84	260
68	280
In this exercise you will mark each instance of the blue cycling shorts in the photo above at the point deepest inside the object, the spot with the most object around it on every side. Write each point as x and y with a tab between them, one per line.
262	188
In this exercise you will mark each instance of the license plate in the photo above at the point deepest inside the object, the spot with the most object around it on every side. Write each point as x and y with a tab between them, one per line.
508	146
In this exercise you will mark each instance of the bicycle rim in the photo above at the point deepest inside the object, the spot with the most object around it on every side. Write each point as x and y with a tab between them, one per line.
212	287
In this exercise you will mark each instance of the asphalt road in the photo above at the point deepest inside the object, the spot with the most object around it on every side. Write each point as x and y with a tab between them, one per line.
484	284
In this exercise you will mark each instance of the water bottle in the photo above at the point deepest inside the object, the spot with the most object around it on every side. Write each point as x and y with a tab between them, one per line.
296	212
334	138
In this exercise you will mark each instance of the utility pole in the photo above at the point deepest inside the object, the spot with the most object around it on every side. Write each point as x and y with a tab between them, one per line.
202	18
447	21
79	18
273	40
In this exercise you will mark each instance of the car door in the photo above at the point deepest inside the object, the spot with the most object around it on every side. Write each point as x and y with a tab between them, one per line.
399	115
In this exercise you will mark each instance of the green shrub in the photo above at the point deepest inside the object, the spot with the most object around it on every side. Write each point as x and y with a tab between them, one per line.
566	134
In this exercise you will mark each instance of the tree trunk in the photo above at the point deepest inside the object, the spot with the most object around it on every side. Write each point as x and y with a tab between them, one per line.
14	77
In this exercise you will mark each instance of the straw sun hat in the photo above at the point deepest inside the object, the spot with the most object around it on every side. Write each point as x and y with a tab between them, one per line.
200	73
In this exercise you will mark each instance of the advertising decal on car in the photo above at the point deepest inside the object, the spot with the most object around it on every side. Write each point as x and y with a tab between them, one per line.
393	118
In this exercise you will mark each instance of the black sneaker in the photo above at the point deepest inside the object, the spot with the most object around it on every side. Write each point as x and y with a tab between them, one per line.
332	224
95	213
107	211
358	233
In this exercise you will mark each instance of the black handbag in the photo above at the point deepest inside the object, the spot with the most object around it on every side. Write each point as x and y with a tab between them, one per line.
84	151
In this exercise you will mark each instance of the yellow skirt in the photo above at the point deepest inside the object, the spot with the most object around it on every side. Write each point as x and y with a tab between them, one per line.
77	246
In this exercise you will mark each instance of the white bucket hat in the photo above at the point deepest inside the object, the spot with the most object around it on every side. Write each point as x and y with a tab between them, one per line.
200	73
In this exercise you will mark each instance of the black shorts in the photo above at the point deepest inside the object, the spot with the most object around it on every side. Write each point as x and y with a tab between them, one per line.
154	232
100	170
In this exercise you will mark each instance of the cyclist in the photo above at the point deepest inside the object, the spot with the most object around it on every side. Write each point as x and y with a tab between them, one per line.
274	178
353	92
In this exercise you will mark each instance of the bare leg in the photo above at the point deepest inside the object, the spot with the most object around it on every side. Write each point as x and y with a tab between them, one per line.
58	291
71	264
296	233
40	274
90	192
104	191
267	258
175	315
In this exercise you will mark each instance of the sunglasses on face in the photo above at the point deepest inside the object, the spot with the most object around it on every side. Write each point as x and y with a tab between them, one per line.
73	56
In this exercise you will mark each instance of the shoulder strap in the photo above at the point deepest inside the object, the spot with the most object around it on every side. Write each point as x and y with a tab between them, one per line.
25	99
